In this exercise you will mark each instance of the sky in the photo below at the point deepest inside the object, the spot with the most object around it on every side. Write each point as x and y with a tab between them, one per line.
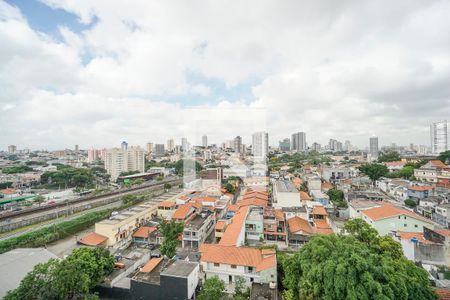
96	72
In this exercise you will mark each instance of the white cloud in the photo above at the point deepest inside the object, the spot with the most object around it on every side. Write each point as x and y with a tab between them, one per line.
335	70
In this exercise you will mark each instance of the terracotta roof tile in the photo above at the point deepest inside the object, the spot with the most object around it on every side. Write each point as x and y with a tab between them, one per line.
304	196
93	239
421	188
319	210
239	256
221	224
233	229
182	211
409	235
144	232
389	211
151	264
300	226
167	203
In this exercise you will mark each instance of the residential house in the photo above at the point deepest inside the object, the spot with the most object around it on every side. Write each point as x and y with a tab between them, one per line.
230	262
388	218
441	215
197	228
166	208
358	205
219	229
285	194
274	226
420	191
145	235
430	171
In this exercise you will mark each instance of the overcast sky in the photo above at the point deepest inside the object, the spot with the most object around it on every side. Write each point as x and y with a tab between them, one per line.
94	73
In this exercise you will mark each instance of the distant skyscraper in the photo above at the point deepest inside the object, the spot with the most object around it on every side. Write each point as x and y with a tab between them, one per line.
205	141
285	145
316	147
159	150
335	145
237	144
149	147
170	145
440	136
184	144
348	146
298	142
373	149
77	148
260	145
12	149
124	146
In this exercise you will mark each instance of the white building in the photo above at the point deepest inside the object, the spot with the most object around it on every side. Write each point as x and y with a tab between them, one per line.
205	141
230	262
440	136
124	160
170	145
260	145
373	148
285	194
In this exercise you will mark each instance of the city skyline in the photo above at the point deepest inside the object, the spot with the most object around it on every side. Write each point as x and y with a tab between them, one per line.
99	73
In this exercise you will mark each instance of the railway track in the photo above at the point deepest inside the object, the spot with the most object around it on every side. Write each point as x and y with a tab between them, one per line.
87	200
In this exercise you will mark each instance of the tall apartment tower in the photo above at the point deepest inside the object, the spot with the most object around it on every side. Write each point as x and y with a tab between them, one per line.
373	147
260	145
170	145
184	144
124	146
149	147
298	142
205	141
237	144
12	149
440	136
118	160
159	150
284	145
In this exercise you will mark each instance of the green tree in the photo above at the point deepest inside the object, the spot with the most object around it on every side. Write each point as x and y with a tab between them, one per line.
374	171
337	197
389	156
444	157
230	188
170	231
212	289
410	203
71	278
343	267
187	165
129	199
138	181
39	199
167	186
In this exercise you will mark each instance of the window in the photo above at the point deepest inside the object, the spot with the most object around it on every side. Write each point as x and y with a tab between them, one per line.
405	217
405	225
399	217
251	279
216	265
233	266
415	225
250	269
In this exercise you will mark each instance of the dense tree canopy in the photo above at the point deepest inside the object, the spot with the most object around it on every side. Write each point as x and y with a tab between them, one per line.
444	157
71	278
389	156
337	198
361	265
212	289
170	231
16	169
68	176
374	171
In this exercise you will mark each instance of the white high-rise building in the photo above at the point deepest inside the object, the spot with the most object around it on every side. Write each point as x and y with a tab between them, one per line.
12	149
298	142
373	147
184	145
440	136
149	148
260	145
118	160
170	145
205	141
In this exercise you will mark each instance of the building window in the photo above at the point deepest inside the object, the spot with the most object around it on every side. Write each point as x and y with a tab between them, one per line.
216	265
415	225
233	266
405	225
405	217
399	217
251	279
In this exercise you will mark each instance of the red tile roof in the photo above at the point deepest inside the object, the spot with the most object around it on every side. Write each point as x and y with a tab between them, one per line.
93	239
233	230
182	211
443	293
144	232
300	226
304	196
221	224
421	188
238	256
389	211
167	203
322	227
319	210
409	235
151	264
